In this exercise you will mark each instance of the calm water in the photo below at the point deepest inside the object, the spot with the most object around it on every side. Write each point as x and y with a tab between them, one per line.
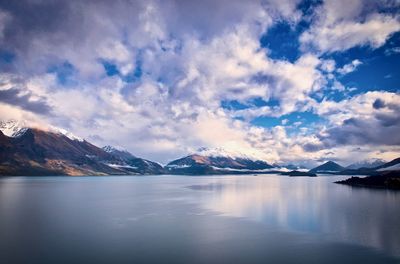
207	219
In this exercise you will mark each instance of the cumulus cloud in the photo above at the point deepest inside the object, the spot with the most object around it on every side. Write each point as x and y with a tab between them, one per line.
347	68
341	25
172	63
367	119
290	83
13	92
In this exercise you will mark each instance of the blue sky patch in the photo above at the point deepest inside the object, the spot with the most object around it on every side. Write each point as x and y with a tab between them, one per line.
64	72
251	103
282	40
293	120
379	69
6	57
266	121
110	68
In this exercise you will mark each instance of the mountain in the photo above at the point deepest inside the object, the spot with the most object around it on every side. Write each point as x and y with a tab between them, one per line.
132	163
120	152
31	151
371	163
329	167
217	161
38	152
393	165
385	176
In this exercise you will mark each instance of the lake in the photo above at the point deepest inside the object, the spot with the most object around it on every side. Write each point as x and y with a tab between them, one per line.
196	219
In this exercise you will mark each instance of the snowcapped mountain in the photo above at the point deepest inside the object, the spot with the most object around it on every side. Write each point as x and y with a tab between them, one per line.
41	152
16	128
217	161
370	163
13	128
33	151
368	168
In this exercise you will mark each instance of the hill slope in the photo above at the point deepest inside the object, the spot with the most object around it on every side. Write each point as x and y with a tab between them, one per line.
129	162
329	167
37	152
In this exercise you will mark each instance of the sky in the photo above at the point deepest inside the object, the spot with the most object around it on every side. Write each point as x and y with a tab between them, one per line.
287	81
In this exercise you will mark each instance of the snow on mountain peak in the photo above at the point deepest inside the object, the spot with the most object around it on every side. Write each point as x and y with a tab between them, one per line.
222	152
13	128
16	128
111	149
65	133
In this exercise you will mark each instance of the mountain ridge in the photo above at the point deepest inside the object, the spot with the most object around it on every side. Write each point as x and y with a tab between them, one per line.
213	164
39	152
32	151
369	163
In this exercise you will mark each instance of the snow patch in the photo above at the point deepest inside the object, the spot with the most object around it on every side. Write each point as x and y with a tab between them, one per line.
121	166
174	166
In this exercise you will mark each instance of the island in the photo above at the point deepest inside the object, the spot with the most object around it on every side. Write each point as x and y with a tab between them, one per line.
299	173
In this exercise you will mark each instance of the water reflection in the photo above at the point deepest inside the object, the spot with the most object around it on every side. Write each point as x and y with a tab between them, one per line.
312	205
157	219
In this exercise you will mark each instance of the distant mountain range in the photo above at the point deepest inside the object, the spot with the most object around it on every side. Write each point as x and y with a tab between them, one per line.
331	167
370	163
221	161
31	151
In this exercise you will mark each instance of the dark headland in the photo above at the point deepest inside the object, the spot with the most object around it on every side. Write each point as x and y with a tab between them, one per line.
390	180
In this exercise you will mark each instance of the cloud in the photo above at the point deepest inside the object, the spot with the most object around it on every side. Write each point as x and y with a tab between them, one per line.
328	65
391	51
290	83
341	25
347	68
353	119
4	20
13	93
174	63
